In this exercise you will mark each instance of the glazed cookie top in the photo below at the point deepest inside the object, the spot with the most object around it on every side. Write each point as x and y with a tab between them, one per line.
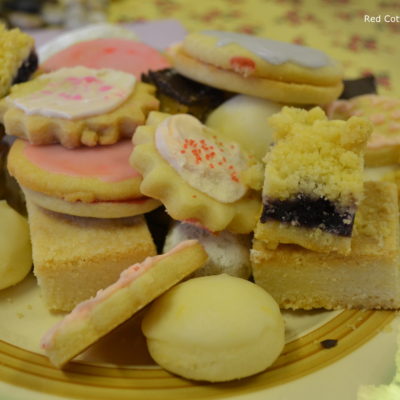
255	56
198	176
209	163
77	106
74	93
124	55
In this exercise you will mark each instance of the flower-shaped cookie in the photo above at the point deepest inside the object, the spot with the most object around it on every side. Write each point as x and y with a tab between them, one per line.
199	176
77	106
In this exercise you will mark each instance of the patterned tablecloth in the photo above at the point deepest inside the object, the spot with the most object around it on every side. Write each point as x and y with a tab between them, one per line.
363	35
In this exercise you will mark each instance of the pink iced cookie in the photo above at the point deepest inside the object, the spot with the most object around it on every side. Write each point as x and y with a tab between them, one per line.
383	147
93	182
137	286
121	54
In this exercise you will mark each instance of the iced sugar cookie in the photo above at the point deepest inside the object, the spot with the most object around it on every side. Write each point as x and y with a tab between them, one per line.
89	32
77	106
15	246
137	286
88	182
383	147
274	70
18	59
313	180
214	328
199	176
124	55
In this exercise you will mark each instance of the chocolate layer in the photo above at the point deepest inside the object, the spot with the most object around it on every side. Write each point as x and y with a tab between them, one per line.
358	87
199	99
304	211
27	68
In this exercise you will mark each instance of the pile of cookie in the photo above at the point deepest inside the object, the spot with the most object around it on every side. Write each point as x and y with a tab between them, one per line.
123	153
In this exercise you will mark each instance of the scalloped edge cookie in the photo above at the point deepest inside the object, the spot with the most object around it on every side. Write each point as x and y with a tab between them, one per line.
101	129
182	201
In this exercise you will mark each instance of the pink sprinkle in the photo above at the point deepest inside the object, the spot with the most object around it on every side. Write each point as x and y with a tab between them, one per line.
105	88
77	97
47	92
90	79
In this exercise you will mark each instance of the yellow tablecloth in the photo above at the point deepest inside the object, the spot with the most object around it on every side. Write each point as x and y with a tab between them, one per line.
345	29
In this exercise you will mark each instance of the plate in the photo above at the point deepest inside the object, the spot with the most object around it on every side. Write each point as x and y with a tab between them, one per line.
119	367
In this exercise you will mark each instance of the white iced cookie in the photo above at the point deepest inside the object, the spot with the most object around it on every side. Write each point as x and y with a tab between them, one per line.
15	246
214	328
227	252
244	119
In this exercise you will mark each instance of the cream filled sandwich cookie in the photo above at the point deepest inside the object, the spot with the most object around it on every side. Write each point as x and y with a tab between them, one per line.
278	71
199	176
383	147
137	286
77	106
87	181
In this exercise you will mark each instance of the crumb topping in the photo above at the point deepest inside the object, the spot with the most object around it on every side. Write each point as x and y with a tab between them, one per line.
315	156
15	47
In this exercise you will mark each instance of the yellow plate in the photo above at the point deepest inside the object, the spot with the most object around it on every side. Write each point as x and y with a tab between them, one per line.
119	367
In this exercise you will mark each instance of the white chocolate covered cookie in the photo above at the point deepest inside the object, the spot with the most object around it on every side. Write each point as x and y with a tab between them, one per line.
15	246
214	328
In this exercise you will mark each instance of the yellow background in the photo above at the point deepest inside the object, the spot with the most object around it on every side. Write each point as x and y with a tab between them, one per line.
335	26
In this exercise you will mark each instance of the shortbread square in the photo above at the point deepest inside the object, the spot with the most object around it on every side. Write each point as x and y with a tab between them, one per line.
74	257
367	278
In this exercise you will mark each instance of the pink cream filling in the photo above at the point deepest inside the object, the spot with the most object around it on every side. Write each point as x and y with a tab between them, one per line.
107	163
129	275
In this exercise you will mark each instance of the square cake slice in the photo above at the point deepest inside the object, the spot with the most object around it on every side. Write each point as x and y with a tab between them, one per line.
74	257
313	180
367	278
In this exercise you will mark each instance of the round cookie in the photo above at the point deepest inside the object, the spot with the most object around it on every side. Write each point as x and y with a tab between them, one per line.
89	32
124	55
383	146
278	71
15	246
199	177
77	106
214	328
89	182
244	119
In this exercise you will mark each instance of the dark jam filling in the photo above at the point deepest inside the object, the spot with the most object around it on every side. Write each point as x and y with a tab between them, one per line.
197	99
308	212
358	87
27	68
